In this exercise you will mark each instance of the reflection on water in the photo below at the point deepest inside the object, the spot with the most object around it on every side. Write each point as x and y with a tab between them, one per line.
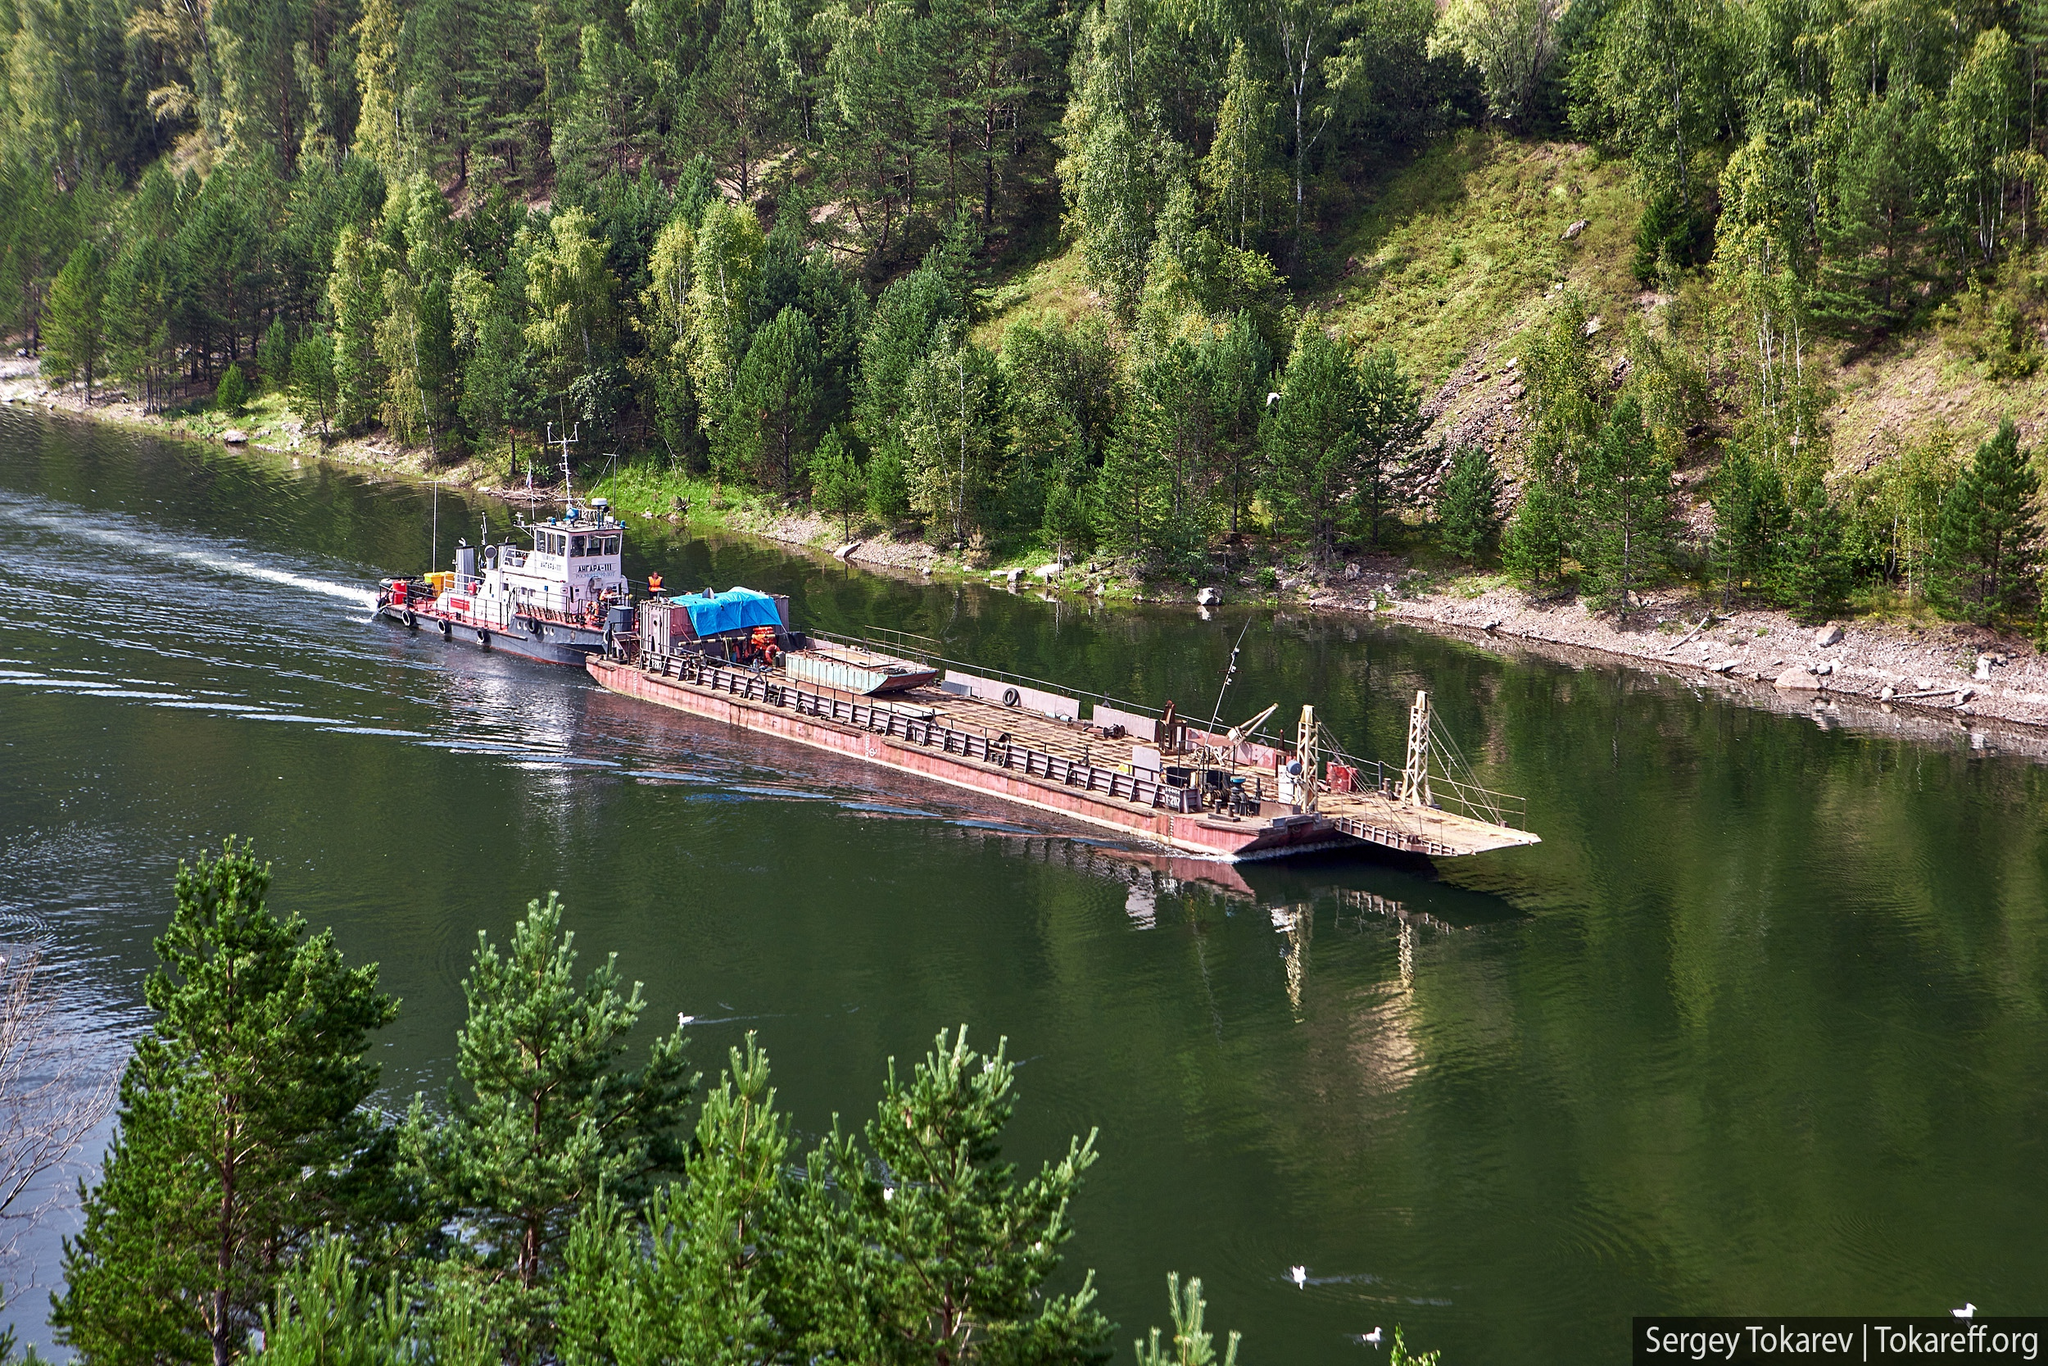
1760	1027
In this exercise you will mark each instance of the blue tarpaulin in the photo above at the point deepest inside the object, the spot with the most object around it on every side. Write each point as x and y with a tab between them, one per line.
732	610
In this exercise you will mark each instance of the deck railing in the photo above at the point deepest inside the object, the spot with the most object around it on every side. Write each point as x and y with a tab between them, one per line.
892	721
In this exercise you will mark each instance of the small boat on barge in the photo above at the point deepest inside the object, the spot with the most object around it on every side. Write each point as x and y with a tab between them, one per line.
557	602
1235	795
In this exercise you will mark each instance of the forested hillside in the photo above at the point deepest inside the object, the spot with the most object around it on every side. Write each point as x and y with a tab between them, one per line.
1128	275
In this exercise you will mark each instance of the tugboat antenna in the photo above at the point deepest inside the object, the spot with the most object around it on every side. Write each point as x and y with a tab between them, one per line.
566	441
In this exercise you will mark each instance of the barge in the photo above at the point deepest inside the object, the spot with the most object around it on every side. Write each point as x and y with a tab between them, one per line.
1237	795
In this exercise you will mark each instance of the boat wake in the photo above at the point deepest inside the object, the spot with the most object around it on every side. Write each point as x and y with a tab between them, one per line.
215	560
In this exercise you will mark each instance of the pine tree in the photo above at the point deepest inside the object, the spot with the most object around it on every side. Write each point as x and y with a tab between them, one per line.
312	372
1465	506
1532	549
1389	423
1750	516
888	485
1310	444
945	1251
274	357
838	488
355	295
693	1281
1987	557
1192	1344
75	319
1810	572
232	395
1624	510
1236	368
910	312
775	402
242	1128
543	1118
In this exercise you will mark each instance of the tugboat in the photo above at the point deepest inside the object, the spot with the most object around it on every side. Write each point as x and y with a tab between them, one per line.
560	602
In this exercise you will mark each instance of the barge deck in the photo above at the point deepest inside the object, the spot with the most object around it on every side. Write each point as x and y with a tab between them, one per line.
1029	747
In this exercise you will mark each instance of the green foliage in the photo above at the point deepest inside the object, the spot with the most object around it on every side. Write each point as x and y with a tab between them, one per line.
1466	506
1625	511
944	1248
1987	551
838	485
327	1313
1811	570
1399	1355
543	1117
1310	445
952	435
1750	515
1674	234
1509	42
1192	1344
1533	547
241	1132
312	378
1389	424
232	394
75	319
774	405
274	356
888	486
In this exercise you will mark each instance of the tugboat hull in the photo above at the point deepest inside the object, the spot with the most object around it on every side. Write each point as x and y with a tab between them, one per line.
546	642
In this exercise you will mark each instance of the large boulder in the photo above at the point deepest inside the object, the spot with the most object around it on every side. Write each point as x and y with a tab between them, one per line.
1796	679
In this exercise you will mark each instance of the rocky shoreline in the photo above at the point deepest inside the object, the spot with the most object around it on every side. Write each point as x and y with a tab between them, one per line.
1945	673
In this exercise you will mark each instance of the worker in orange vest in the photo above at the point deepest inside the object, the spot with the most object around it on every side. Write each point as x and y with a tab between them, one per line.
654	583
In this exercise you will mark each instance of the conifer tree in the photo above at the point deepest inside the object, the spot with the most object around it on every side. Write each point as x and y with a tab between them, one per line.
888	484
313	379
775	401
1532	549
274	357
945	1250
899	334
75	319
355	295
1624	510
242	1129
1810	570
232	395
1465	507
1987	558
1750	515
1388	423
838	488
543	1117
1310	444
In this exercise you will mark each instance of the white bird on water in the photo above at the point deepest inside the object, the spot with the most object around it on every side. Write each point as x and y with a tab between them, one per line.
1299	1275
1968	1311
1372	1338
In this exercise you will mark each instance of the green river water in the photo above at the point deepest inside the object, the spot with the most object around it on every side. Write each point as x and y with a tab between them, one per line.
1761	1026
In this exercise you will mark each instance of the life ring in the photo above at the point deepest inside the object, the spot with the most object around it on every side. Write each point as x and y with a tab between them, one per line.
483	638
411	621
1010	697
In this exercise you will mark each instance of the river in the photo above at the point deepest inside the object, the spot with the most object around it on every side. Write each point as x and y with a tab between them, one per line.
1761	1025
